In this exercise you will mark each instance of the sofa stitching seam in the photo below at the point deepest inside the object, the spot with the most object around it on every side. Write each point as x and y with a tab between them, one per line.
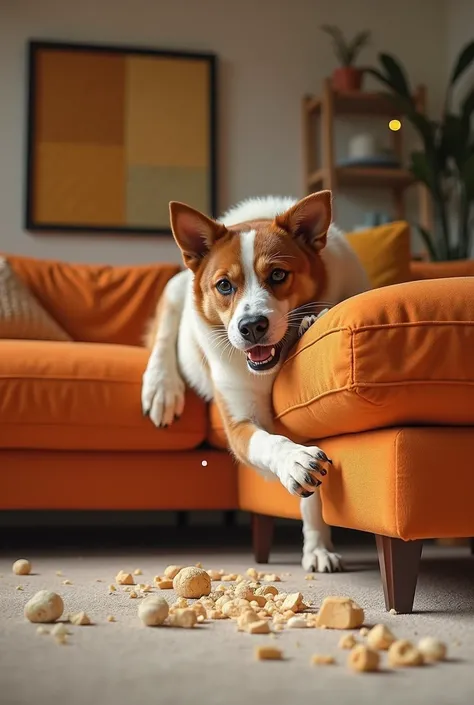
68	378
397	514
411	324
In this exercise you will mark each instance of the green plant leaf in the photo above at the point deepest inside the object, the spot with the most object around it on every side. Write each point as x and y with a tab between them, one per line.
360	40
340	45
425	127
397	76
422	169
454	140
333	31
465	58
428	241
467	107
467	176
380	77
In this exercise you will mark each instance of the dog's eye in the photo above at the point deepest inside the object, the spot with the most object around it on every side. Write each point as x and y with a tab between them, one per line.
278	276
224	287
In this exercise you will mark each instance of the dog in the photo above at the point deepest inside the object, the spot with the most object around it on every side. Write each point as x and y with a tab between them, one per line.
223	324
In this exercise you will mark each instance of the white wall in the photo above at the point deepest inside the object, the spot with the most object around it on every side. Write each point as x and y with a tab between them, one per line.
271	53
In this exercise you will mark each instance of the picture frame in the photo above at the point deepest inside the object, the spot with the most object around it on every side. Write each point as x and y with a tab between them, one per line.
116	132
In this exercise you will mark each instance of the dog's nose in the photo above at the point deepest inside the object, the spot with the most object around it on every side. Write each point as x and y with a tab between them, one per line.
253	329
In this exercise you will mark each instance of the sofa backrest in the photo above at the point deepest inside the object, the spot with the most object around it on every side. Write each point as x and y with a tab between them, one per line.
442	270
110	304
96	303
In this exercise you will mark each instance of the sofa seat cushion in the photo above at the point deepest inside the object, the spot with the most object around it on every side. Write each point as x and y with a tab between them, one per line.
84	396
401	355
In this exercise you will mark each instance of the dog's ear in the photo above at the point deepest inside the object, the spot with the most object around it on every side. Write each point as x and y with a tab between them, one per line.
309	219
194	233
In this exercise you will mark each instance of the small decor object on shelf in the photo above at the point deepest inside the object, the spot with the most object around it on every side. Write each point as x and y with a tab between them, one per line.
364	150
347	77
445	162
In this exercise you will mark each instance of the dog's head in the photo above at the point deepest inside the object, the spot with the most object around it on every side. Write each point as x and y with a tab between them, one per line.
251	278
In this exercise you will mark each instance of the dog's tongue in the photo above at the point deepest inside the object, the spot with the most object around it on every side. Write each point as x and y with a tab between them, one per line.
259	353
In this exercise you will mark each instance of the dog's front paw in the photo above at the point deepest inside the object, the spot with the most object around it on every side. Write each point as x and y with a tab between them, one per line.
300	468
308	321
320	560
162	395
305	324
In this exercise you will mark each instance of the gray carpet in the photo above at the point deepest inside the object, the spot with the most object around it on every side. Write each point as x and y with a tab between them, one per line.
123	662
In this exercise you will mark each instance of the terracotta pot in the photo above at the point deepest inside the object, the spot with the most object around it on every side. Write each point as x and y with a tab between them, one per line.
347	78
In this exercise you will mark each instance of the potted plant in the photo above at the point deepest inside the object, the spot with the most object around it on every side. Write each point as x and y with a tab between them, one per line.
445	164
347	77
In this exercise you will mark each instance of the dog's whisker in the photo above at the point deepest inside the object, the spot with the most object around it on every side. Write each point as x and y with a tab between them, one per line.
312	304
215	338
228	348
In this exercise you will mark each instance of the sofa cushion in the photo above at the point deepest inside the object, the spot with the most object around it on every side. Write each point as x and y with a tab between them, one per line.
401	355
84	396
96	303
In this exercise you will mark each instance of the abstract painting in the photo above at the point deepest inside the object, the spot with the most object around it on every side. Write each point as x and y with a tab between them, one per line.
114	134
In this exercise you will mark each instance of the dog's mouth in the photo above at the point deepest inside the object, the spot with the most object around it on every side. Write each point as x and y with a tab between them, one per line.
263	357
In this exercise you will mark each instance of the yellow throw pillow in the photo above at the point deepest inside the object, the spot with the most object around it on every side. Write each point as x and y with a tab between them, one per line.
385	252
21	315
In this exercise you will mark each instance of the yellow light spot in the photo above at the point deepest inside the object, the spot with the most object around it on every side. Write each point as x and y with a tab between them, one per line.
394	125
204	463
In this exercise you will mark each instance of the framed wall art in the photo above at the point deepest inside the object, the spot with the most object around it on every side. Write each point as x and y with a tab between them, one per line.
115	133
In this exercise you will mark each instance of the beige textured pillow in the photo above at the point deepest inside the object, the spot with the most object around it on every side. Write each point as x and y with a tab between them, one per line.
21	315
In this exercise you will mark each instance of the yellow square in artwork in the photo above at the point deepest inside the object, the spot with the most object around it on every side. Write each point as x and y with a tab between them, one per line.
167	112
80	185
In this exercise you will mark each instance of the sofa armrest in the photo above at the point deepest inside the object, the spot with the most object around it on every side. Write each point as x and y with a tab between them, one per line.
397	355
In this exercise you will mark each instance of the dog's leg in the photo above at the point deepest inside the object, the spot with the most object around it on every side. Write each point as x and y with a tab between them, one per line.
318	555
299	468
163	387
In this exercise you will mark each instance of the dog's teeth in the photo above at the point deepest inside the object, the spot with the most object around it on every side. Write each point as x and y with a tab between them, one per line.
272	352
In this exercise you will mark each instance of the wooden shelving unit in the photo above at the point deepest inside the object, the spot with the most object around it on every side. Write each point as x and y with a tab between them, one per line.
327	174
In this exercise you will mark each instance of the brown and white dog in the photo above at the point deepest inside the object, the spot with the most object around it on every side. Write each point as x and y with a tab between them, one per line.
222	324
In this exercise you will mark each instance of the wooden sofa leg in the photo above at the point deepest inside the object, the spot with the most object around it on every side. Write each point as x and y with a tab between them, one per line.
399	564
262	537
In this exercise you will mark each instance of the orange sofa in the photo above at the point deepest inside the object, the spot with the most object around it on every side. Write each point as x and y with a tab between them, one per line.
384	382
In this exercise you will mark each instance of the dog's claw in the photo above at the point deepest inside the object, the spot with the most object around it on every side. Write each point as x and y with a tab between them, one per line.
315	466
322	456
